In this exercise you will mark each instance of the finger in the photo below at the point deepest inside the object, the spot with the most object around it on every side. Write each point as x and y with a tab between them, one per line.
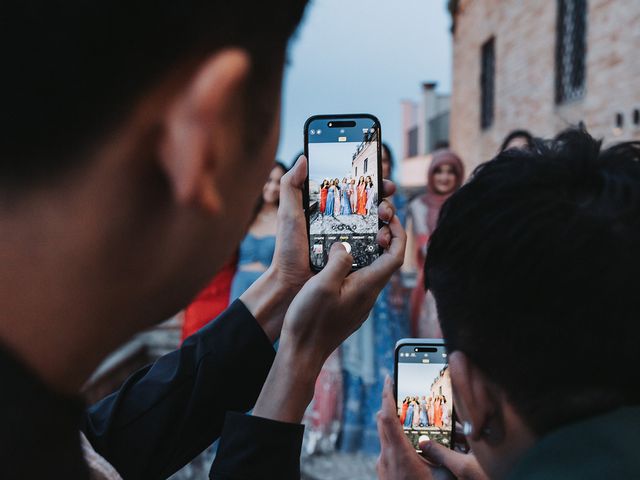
389	417
377	274
338	266
388	188
384	237
382	431
386	211
291	185
440	455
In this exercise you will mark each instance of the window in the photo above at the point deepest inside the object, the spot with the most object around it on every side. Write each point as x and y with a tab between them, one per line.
571	49
366	164
487	83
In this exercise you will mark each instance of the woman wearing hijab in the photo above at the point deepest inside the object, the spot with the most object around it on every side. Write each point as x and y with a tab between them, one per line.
445	175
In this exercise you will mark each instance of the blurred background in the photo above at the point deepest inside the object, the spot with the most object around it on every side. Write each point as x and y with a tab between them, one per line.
458	74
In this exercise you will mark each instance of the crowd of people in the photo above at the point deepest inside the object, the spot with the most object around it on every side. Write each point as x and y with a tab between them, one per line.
128	181
422	412
347	197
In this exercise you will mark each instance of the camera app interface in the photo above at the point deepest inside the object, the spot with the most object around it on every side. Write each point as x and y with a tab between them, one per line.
425	404
343	189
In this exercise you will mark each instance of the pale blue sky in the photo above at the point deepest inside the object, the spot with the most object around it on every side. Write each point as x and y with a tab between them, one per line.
330	160
358	56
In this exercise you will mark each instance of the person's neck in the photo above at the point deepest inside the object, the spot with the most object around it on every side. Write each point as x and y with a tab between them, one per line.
54	317
269	209
66	284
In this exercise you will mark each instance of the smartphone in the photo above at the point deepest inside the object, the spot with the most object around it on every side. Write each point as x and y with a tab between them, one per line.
343	188
423	390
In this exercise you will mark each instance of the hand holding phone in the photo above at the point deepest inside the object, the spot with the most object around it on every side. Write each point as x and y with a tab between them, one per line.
398	457
344	186
423	391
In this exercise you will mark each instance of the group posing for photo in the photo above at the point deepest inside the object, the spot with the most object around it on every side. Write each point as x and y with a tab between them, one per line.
421	412
347	197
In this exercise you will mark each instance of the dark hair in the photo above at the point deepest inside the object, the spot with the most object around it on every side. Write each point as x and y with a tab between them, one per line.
72	71
534	267
517	134
260	202
389	153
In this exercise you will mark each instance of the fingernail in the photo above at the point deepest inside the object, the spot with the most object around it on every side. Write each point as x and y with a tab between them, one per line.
387	380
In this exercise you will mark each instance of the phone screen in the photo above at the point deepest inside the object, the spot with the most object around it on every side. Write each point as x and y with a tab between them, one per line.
344	180
423	386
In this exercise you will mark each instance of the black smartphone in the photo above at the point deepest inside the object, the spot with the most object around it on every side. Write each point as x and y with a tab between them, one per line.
344	185
423	390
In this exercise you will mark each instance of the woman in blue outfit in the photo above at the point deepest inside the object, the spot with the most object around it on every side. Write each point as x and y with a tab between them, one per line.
330	199
367	356
409	418
345	205
257	247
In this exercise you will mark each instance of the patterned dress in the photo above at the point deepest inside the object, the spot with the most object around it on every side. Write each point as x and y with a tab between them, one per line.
362	395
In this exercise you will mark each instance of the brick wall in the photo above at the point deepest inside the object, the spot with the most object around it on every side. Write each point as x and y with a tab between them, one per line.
525	38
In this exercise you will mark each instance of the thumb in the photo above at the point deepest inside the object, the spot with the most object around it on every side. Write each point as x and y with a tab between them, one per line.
338	266
291	185
440	455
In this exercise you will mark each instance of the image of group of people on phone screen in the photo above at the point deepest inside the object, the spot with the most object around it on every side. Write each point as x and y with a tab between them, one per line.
422	412
347	197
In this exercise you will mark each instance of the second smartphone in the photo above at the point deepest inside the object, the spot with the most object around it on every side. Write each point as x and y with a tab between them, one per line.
344	185
423	390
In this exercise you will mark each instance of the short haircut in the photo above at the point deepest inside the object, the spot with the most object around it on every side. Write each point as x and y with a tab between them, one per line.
73	70
534	266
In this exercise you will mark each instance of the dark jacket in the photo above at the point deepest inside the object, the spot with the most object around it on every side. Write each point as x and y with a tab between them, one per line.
162	417
602	447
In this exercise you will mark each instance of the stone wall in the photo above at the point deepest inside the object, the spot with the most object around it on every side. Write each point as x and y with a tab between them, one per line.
525	40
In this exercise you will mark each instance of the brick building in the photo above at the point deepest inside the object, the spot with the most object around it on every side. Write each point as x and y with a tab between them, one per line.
543	65
363	162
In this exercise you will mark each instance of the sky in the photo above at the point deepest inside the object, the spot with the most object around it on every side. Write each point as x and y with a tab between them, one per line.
357	56
330	160
415	379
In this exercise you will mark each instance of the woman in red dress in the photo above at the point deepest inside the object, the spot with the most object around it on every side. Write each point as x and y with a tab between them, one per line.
211	301
362	197
438	412
403	413
324	190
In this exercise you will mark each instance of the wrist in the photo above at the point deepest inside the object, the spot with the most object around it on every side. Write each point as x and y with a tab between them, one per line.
289	387
267	300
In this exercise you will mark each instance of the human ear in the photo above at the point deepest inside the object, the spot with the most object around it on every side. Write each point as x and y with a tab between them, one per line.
476	399
202	129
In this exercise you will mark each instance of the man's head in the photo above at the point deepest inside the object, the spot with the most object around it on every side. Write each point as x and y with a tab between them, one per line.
534	268
136	139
